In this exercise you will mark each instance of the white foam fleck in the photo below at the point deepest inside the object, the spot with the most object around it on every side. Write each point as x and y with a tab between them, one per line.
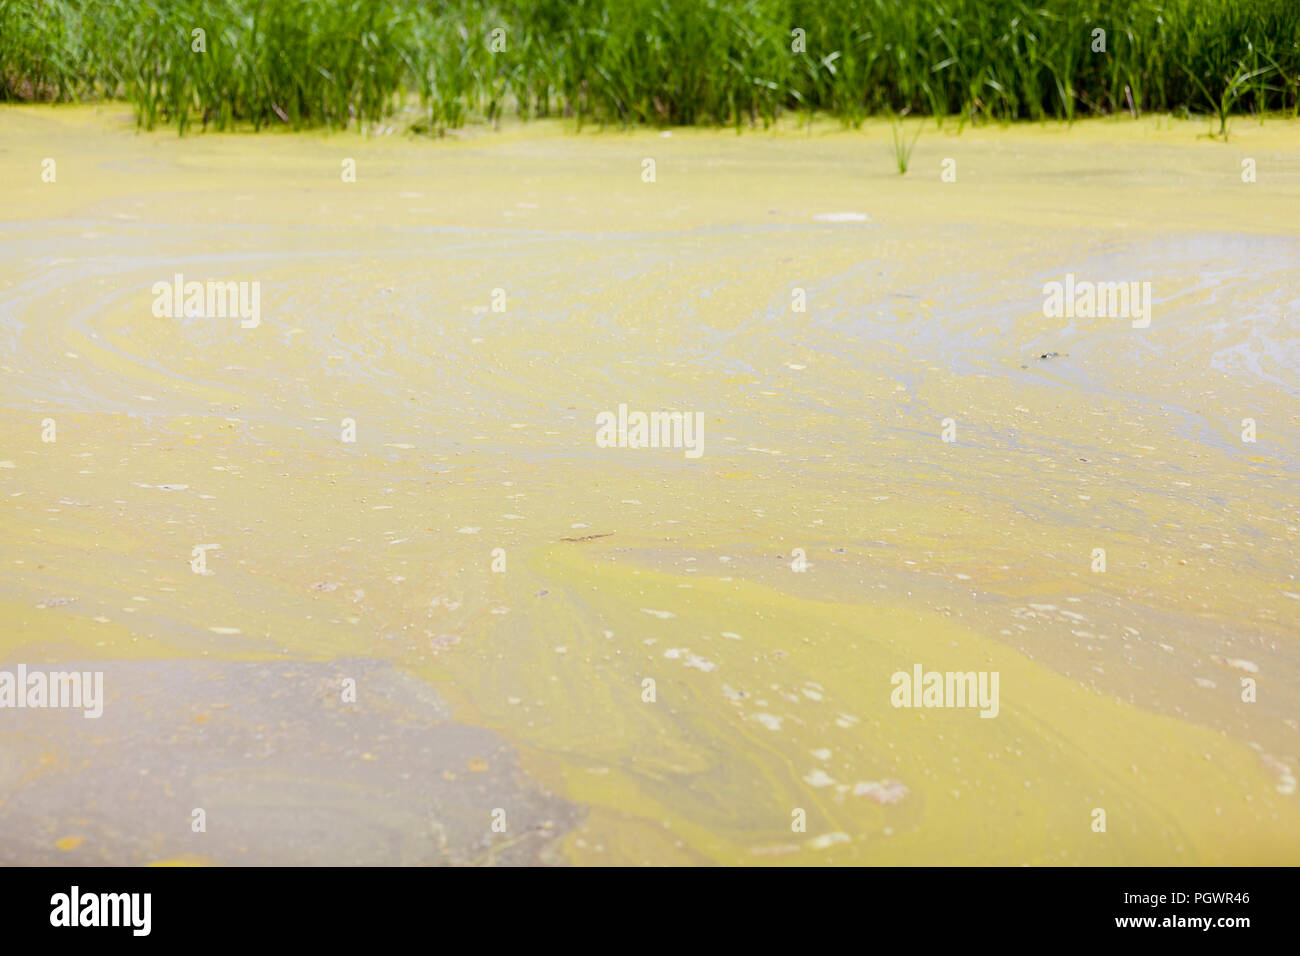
818	778
827	840
700	663
883	792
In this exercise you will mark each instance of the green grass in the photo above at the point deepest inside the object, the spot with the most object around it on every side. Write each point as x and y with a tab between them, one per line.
902	145
659	62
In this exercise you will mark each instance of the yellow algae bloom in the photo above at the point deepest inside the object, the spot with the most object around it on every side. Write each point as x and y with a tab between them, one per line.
498	504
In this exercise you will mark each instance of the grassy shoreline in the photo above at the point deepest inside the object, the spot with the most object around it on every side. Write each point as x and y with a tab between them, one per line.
204	63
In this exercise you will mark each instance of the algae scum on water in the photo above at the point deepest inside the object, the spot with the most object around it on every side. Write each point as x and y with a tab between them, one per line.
540	494
364	585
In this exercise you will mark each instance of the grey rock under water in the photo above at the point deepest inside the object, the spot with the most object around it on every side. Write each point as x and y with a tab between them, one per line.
285	772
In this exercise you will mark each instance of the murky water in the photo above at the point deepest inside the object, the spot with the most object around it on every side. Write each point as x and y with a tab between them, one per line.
475	430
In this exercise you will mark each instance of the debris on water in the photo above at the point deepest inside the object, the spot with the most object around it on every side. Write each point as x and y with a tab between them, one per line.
774	849
590	537
1248	666
827	840
56	602
883	792
1285	775
662	615
700	663
818	778
1048	355
769	721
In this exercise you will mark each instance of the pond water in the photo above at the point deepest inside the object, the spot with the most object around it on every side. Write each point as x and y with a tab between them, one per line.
502	585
